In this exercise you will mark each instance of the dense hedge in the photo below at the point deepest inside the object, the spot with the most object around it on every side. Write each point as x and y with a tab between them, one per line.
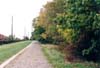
72	23
8	40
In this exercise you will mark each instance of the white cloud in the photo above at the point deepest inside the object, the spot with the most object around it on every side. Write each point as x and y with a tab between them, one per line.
23	11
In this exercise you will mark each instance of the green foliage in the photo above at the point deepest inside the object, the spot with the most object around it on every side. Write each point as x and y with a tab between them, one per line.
9	39
56	58
46	20
82	18
76	22
37	34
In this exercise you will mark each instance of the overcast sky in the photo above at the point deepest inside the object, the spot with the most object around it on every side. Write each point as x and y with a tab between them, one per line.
23	12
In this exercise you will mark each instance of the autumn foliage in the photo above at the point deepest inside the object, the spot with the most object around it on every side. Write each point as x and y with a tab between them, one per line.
73	24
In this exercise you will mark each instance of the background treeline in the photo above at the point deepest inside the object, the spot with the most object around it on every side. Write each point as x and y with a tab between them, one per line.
6	40
72	24
11	39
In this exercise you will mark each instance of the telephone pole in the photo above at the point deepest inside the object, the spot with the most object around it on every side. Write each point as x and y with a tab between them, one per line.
24	31
12	28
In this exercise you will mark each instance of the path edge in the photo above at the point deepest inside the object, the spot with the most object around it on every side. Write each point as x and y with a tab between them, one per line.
14	56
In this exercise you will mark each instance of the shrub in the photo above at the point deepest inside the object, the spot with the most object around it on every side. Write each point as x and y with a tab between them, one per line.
82	18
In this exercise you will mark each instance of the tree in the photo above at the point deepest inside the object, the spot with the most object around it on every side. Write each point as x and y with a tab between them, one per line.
46	20
37	33
82	23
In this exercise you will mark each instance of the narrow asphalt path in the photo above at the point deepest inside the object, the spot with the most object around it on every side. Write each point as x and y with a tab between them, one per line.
32	57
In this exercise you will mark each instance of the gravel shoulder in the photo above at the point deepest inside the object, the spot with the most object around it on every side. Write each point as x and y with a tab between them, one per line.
32	57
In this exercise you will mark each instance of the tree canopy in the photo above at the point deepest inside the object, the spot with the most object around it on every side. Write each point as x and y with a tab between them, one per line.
74	23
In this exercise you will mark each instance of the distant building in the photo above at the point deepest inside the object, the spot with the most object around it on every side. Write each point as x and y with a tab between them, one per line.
2	37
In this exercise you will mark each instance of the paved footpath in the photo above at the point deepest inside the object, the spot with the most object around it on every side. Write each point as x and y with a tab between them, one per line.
32	57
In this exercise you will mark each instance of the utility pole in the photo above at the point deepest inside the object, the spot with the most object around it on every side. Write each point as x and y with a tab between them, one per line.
12	28
24	31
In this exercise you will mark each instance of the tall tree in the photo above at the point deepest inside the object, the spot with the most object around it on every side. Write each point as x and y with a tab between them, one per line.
81	22
46	19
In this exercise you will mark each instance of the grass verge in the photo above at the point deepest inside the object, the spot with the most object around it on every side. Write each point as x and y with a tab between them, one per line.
56	58
8	50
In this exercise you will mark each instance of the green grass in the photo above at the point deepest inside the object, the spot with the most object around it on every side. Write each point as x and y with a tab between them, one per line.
8	50
56	58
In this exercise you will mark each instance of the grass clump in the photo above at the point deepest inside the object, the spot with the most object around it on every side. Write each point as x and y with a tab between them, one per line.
56	58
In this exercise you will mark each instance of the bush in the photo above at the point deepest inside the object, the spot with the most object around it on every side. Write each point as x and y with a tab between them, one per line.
9	40
82	18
